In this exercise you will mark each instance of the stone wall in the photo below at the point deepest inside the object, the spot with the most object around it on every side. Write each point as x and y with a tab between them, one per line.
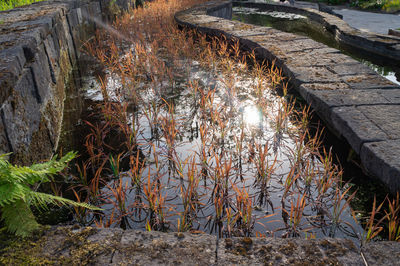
39	47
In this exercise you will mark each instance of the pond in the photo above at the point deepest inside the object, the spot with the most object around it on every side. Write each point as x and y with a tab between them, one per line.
177	131
301	25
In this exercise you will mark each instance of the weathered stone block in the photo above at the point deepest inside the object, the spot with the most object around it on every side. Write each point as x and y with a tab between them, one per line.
392	96
66	40
106	247
95	11
199	19
355	127
41	73
297	45
254	31
381	159
346	97
386	117
4	144
368	81
351	69
306	58
22	113
11	64
313	74
52	57
323	101
340	58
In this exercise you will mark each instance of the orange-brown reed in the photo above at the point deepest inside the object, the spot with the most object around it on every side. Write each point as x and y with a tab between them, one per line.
155	50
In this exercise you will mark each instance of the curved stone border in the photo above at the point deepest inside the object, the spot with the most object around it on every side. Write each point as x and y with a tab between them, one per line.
386	46
354	101
91	246
394	32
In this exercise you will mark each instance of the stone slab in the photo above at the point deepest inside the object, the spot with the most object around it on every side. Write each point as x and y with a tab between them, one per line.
340	58
199	19
307	58
368	81
381	159
112	246
323	100
351	69
312	74
305	89
255	31
392	96
386	117
346	97
355	127
295	45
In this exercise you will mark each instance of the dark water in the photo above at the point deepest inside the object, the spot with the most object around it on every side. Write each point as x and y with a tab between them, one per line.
301	25
248	126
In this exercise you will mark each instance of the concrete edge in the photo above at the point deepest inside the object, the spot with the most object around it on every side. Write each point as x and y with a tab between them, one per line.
112	246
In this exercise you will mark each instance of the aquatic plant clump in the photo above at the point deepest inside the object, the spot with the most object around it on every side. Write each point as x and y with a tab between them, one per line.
192	136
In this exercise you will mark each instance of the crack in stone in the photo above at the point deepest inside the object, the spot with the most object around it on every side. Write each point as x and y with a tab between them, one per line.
35	92
5	130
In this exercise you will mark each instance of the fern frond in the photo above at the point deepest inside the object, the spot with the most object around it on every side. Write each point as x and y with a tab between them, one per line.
23	174
16	196
9	193
41	200
54	165
18	218
38	172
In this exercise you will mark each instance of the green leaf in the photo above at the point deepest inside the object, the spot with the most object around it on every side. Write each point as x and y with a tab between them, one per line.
16	196
41	200
10	193
19	219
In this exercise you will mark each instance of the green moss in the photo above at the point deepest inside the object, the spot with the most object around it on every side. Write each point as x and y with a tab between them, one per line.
61	246
24	251
333	249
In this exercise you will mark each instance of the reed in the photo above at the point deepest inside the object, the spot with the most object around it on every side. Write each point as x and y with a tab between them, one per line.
218	172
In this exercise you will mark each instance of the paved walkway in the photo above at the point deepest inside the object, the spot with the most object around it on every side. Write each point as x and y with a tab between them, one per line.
368	21
299	4
362	20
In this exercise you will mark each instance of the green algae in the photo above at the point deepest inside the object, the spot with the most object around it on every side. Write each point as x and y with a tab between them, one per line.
63	246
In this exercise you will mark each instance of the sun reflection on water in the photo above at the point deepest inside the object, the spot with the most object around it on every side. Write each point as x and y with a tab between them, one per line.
252	116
